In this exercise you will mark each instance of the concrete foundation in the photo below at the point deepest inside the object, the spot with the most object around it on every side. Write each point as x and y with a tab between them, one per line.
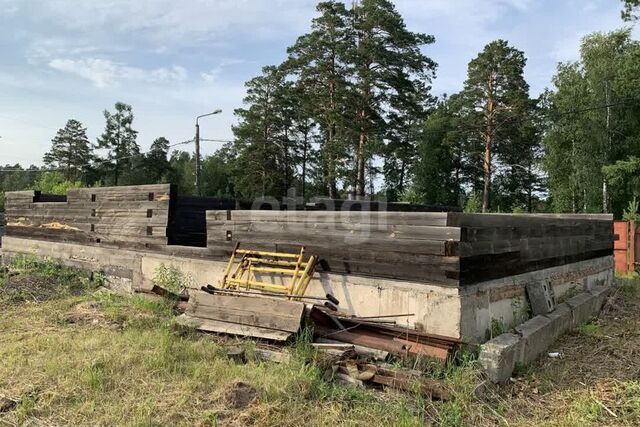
463	312
499	356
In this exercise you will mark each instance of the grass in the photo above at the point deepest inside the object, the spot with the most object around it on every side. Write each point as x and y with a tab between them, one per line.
84	356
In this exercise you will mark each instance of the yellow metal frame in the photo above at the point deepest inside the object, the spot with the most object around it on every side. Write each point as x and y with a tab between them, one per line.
243	265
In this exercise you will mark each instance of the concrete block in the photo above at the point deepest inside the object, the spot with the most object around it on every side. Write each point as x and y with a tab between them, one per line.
537	335
541	296
498	356
560	319
583	308
600	294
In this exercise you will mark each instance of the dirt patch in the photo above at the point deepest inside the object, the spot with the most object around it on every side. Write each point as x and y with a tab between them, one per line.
241	395
88	313
597	373
7	405
25	287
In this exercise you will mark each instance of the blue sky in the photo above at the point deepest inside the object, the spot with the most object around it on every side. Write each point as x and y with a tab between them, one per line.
175	60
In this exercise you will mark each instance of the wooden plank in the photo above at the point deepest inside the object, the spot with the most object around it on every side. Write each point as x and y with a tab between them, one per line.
458	219
391	231
266	313
338	244
209	325
398	218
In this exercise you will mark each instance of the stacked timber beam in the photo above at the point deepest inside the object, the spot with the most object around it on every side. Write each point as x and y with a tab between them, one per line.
401	245
493	246
128	216
444	248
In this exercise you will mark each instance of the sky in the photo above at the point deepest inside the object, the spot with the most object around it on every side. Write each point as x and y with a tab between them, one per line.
174	60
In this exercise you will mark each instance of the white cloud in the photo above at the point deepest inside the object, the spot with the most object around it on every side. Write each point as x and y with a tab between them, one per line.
106	73
176	23
213	74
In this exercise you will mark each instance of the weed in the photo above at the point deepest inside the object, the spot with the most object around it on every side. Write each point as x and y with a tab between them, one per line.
590	330
172	279
26	406
95	376
496	328
451	415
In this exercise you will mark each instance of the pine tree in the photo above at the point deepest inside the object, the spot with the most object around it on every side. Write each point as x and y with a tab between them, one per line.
631	11
388	66
70	150
119	139
261	151
495	101
156	164
319	61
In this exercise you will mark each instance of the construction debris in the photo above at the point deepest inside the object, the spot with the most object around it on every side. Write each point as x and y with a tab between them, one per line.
260	317
350	370
389	338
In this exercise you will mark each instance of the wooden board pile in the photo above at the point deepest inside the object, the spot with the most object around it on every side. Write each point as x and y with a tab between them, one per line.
347	367
127	217
260	317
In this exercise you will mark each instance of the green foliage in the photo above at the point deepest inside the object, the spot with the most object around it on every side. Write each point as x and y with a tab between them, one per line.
631	10
119	139
172	279
591	330
473	203
632	213
54	183
496	328
70	151
591	153
36	280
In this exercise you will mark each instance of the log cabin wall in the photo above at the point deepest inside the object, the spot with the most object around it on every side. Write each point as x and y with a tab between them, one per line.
413	246
128	216
450	249
493	246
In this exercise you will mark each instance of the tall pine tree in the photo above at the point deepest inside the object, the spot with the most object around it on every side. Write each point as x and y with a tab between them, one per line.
319	61
389	70
495	102
70	150
119	139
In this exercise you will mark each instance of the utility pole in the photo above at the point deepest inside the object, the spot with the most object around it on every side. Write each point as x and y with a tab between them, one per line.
197	140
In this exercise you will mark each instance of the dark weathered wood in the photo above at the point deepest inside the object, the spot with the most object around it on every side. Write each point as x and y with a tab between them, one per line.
355	231
396	218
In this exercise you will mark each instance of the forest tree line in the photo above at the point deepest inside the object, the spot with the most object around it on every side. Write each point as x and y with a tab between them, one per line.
350	113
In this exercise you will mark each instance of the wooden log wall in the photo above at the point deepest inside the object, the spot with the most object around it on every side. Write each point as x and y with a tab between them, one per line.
500	245
401	245
128	216
442	248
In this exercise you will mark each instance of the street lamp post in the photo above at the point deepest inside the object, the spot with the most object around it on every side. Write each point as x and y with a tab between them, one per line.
198	192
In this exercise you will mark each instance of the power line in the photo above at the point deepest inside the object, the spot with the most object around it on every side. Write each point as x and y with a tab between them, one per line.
99	162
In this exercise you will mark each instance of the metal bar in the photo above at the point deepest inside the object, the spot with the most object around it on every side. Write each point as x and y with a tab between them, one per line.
269	294
271	254
273	270
275	262
249	284
383	316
